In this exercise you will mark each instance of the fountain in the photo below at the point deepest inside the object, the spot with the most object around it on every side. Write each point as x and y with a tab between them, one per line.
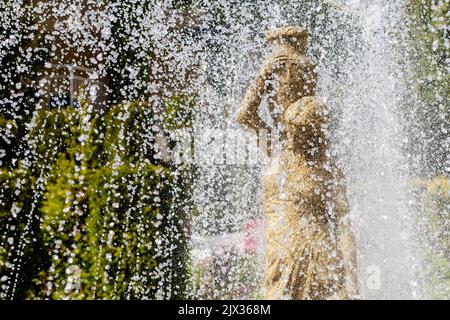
361	77
124	173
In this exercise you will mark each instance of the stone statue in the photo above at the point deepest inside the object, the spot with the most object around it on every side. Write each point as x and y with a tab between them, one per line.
310	250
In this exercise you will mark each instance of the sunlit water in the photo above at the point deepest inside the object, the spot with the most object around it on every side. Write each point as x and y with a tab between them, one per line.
357	46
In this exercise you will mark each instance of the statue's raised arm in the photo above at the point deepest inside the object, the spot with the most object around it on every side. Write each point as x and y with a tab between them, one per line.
286	76
248	113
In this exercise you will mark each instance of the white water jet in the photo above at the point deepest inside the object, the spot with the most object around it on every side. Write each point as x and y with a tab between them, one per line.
372	135
213	49
362	85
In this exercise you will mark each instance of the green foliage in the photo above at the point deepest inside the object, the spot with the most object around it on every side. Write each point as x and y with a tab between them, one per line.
20	236
102	211
100	231
178	112
8	132
434	208
429	55
3	258
110	221
70	177
24	51
429	30
128	134
128	73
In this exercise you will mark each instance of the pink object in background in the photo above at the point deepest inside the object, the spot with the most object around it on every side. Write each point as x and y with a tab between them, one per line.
253	235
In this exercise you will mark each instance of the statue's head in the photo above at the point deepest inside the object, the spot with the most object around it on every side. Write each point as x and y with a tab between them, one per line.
294	37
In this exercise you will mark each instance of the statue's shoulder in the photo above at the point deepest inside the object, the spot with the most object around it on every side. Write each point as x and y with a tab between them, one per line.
315	106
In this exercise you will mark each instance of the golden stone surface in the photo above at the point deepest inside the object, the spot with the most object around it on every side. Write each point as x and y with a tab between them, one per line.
310	250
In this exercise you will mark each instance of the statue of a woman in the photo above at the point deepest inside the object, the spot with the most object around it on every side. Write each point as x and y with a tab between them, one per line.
310	251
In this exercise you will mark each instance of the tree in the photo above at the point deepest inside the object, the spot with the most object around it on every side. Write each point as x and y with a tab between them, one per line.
429	54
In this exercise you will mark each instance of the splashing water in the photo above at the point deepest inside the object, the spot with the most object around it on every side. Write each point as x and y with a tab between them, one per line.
376	168
362	85
118	205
